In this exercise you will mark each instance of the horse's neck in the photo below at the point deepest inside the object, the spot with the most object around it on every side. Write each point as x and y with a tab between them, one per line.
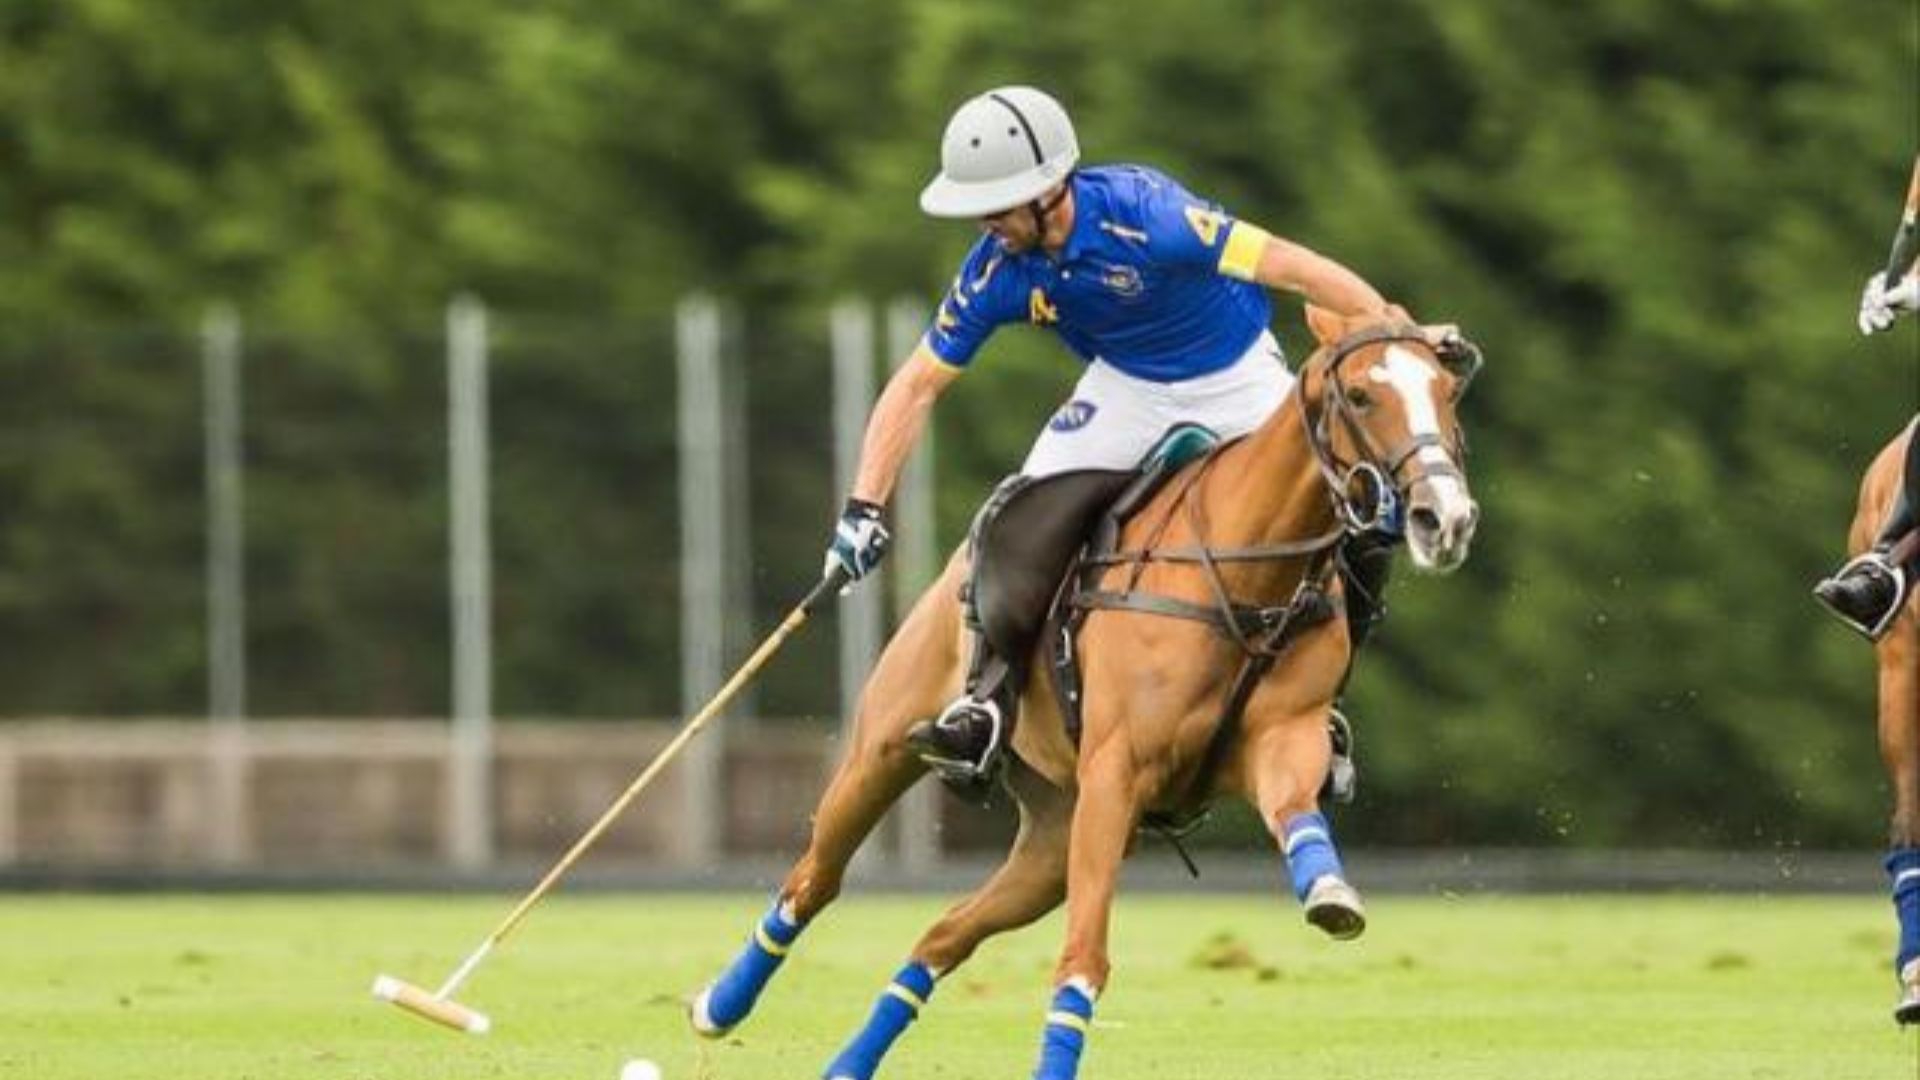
1267	489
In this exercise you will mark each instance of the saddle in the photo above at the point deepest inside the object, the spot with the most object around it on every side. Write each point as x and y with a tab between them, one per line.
1033	533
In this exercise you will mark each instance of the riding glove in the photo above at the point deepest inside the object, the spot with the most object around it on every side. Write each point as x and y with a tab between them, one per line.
1879	305
859	541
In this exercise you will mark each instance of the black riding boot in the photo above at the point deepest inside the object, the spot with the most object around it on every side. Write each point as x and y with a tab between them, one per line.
1867	592
1021	541
965	745
1366	563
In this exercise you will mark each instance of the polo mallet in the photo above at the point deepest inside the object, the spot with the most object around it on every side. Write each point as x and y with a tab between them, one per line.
439	1006
1906	238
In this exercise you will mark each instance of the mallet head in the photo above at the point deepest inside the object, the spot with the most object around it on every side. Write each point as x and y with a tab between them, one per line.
437	1009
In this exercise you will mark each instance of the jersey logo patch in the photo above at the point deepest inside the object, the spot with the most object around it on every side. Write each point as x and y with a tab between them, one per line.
1039	311
1122	279
1073	416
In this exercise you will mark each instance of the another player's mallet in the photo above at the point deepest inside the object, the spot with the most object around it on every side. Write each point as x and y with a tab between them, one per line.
439	1006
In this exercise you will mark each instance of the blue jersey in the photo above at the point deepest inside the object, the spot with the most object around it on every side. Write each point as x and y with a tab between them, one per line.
1152	280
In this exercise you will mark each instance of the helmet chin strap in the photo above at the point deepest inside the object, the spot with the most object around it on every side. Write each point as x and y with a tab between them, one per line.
1040	210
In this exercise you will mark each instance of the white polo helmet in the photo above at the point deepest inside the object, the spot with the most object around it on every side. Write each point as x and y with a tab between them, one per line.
1002	149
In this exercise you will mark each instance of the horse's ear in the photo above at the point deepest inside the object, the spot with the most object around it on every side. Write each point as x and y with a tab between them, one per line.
1327	327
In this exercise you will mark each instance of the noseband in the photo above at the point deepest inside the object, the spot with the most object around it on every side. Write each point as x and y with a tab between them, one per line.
1375	472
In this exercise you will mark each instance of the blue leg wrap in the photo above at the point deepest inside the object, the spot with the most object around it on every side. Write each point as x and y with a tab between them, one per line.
1308	843
1066	1035
1903	866
899	1005
732	995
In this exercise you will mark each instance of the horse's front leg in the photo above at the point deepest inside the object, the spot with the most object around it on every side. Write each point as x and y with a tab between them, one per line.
1287	756
1103	821
919	669
869	780
1899	731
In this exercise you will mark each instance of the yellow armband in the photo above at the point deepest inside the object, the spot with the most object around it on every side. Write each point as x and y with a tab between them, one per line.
1240	255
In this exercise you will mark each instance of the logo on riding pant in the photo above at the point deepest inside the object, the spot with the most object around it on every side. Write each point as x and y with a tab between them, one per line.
1073	416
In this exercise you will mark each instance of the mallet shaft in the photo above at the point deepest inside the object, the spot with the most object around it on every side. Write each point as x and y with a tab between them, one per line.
440	1006
465	969
661	760
1906	238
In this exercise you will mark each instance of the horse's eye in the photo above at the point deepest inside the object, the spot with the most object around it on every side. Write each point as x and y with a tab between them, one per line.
1359	398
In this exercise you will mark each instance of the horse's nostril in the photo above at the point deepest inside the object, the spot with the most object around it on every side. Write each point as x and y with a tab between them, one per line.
1425	520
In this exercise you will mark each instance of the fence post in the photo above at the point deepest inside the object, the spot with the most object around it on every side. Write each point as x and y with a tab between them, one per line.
220	352
860	610
469	835
9	802
704	544
850	326
917	842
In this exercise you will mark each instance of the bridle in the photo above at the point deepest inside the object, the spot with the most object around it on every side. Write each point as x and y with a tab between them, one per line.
1376	474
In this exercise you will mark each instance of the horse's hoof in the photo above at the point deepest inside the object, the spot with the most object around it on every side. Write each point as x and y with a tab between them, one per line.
1334	906
1908	1010
701	1019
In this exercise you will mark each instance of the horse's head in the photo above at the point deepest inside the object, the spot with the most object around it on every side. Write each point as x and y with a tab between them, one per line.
1379	401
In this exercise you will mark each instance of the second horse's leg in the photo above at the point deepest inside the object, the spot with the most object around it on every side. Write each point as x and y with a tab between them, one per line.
1029	884
1899	732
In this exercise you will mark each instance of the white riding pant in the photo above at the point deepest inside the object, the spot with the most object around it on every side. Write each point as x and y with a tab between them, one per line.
1113	419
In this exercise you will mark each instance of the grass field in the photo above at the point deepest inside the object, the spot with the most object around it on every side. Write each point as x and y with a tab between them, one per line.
1215	988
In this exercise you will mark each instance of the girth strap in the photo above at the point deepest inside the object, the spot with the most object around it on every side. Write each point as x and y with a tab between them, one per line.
1307	608
1194	553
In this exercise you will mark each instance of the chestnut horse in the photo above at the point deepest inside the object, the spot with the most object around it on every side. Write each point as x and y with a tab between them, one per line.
1898	654
1253	525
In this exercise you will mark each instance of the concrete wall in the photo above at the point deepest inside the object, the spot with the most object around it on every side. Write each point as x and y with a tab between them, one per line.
365	794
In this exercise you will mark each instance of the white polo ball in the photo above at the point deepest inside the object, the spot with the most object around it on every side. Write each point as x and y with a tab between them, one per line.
639	1069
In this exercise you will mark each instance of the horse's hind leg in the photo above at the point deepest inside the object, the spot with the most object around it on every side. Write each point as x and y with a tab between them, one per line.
915	674
1031	882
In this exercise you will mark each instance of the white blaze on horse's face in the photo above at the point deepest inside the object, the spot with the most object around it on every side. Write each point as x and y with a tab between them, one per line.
1441	514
